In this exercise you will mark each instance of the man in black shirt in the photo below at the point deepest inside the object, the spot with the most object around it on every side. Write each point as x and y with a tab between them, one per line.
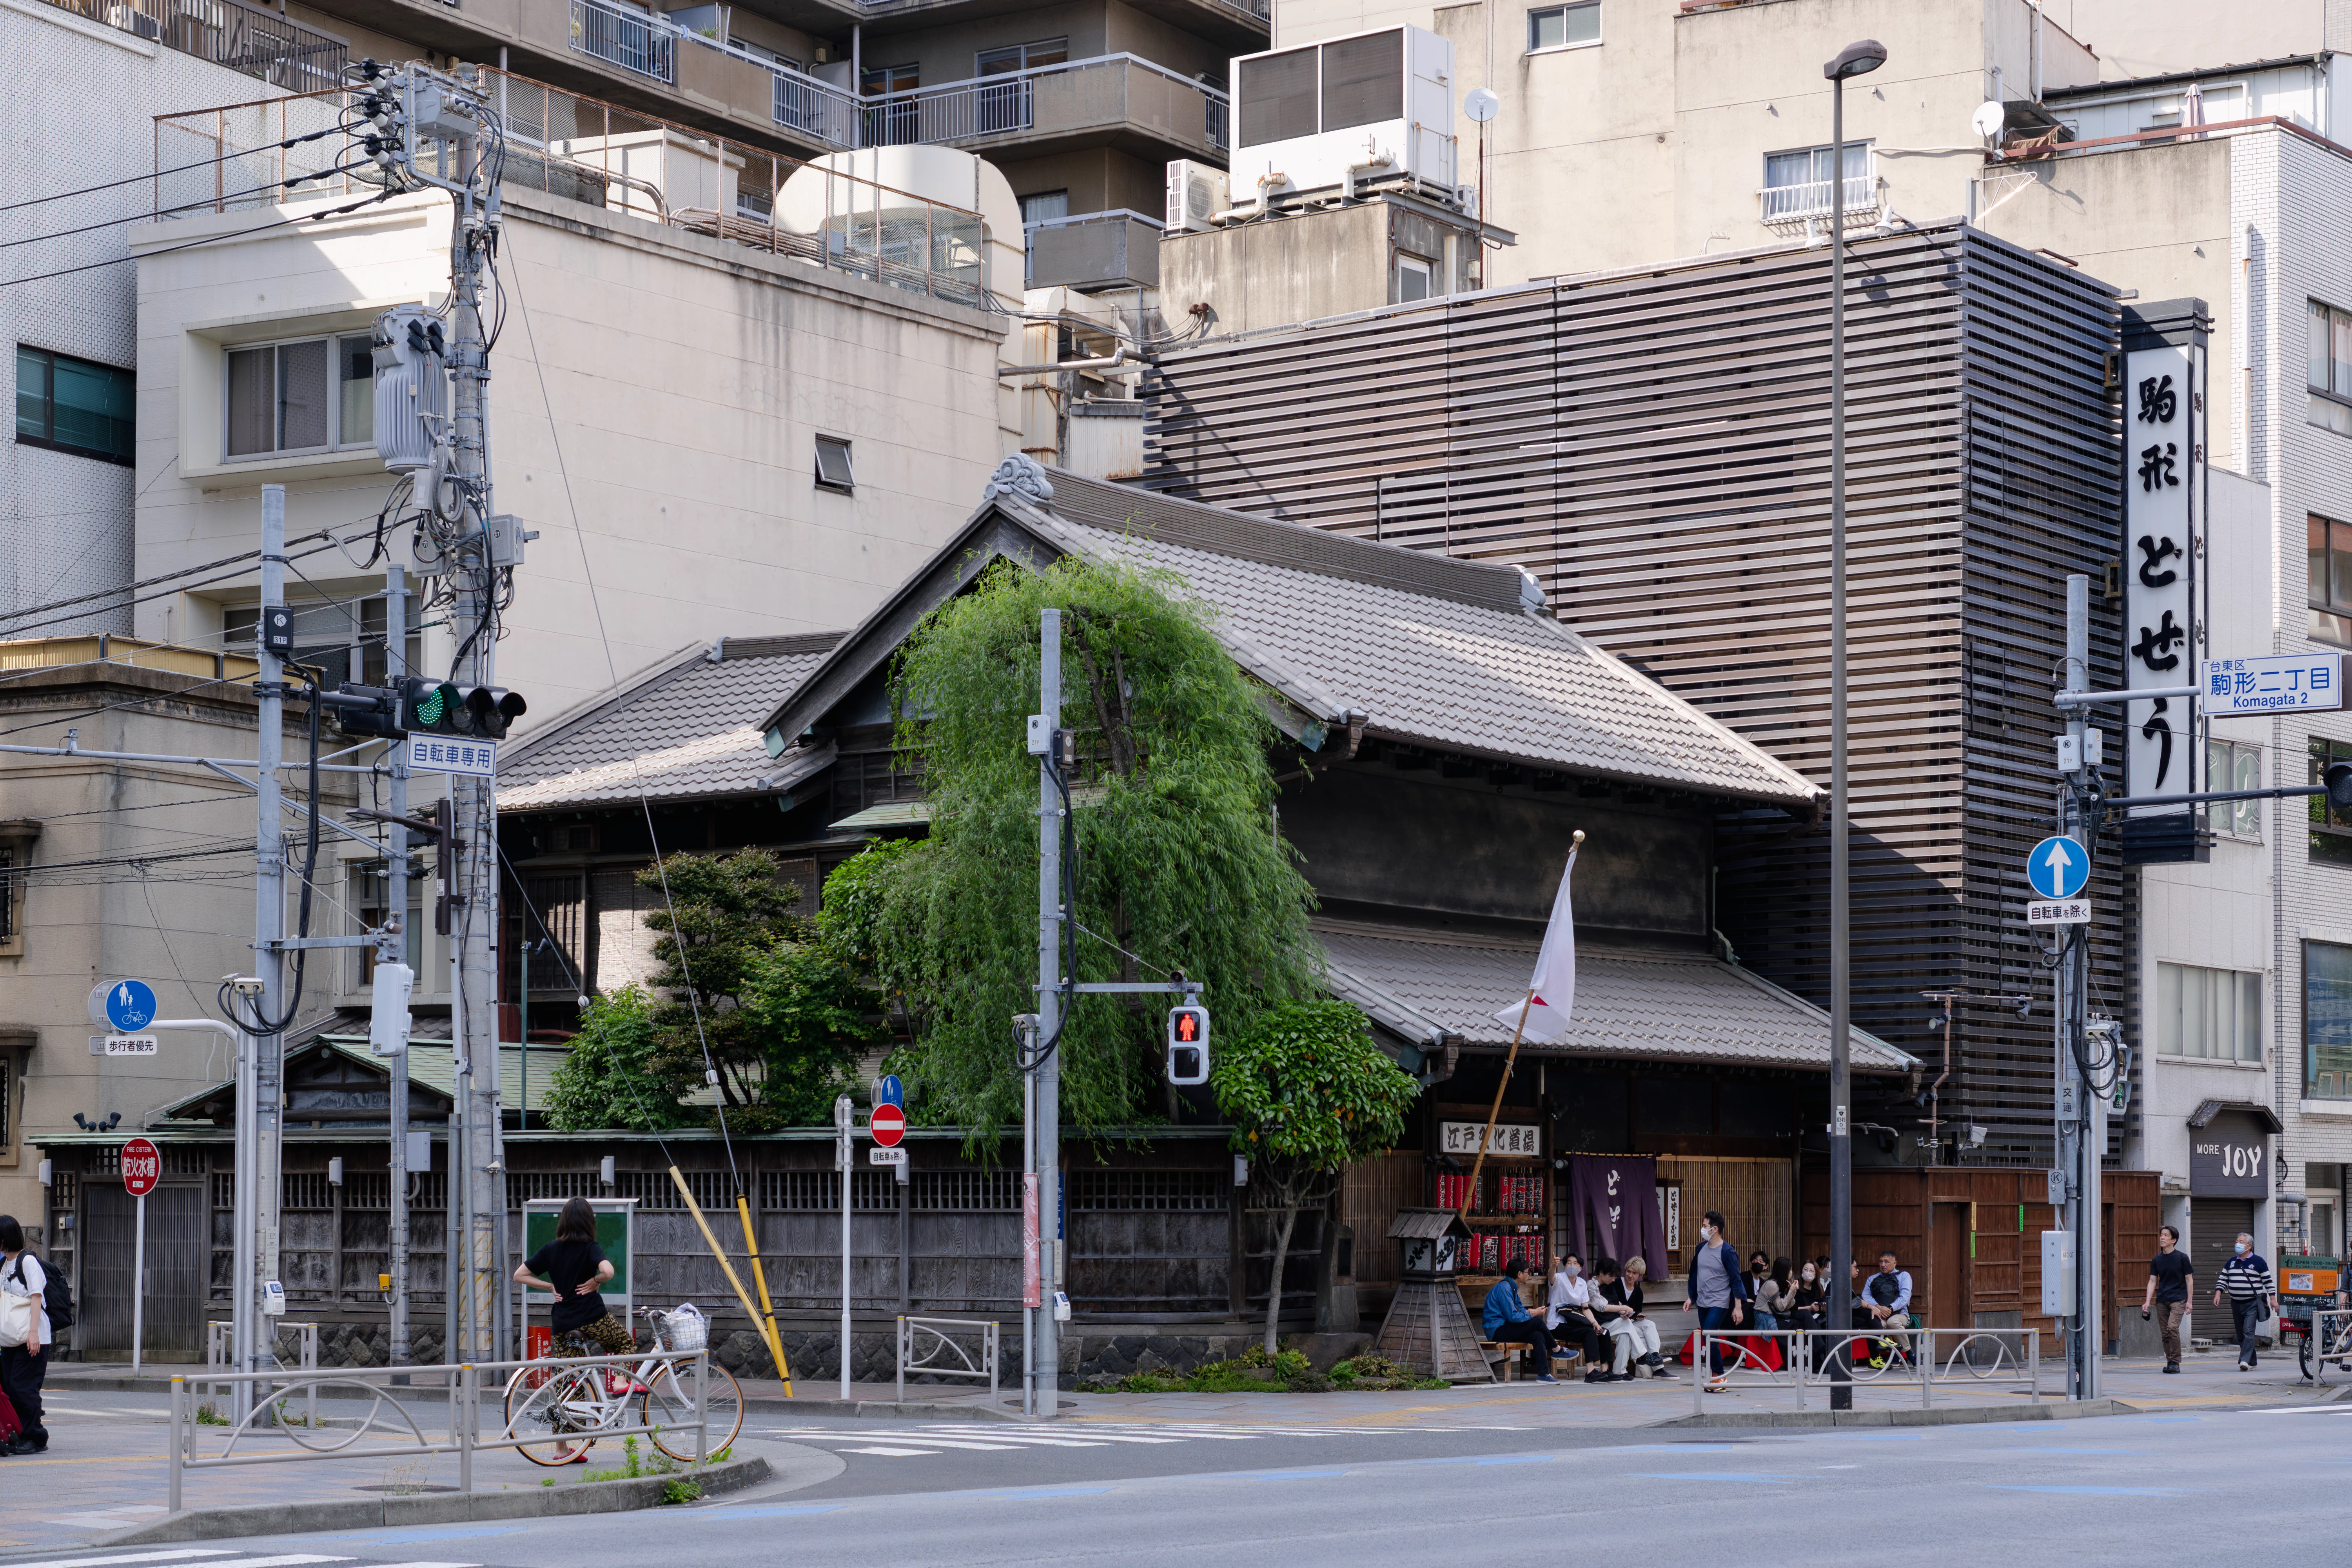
2169	1274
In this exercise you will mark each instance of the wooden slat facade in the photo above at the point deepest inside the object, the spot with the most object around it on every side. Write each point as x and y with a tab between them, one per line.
1653	446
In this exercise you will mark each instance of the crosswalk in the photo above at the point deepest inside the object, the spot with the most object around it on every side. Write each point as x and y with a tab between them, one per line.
933	1438
213	1557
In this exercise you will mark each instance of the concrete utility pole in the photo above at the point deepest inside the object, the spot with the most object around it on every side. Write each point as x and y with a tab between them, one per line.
2080	1109
393	948
1042	1356
263	1163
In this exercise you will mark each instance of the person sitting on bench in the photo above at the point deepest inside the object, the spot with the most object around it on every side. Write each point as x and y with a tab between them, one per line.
1631	1332
1507	1319
1567	1315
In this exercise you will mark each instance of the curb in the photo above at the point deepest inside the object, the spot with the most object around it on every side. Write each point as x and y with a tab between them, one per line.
764	1404
2048	1410
440	1508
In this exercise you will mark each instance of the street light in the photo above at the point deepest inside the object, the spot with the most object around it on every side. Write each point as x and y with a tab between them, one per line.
1855	59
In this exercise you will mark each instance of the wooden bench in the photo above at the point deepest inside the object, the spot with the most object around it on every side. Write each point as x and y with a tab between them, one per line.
1511	1354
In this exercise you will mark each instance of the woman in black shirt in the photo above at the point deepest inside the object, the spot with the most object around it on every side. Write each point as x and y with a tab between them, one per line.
576	1269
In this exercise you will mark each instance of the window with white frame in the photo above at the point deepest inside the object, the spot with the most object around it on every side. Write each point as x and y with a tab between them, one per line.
2216	1013
1413	278
2231	765
309	394
1797	183
1564	26
833	470
2327	353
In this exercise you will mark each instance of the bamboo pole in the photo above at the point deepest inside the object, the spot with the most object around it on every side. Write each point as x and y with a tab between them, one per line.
767	1306
1495	1110
719	1252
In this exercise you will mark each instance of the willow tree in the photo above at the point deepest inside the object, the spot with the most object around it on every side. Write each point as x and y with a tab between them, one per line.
1178	866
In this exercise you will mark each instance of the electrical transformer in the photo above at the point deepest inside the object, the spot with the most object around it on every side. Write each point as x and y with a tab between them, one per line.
412	387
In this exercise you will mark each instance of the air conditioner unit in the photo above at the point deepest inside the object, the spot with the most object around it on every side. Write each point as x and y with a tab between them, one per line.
1367	106
1195	191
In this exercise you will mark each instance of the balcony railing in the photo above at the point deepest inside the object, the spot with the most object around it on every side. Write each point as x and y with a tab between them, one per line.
259	44
1793	204
1108	90
250	155
629	39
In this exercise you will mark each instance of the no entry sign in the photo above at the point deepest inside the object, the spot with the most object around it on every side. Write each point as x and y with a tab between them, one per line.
143	1167
888	1125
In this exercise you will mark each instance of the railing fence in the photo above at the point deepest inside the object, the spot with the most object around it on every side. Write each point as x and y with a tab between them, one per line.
1811	1357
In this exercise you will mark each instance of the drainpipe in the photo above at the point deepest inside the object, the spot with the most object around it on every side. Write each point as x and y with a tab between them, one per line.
857	83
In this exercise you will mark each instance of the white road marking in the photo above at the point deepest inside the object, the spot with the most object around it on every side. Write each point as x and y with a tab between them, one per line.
897	1453
171	1555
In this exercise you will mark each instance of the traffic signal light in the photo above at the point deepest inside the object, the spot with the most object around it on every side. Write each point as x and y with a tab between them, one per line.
365	709
2339	780
443	707
1188	1044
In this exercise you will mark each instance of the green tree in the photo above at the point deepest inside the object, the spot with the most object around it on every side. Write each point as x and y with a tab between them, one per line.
1307	1094
813	1018
1177	862
729	909
849	923
608	1079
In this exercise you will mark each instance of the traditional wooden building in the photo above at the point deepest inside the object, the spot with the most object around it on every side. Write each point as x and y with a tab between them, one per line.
1653	446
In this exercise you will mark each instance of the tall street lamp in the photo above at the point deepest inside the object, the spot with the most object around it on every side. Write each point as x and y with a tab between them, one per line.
1854	60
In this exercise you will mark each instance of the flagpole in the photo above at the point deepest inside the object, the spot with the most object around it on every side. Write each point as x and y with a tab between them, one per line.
1495	1110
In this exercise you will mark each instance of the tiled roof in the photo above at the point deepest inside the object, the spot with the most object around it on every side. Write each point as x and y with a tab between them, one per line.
688	729
1428	986
1455	655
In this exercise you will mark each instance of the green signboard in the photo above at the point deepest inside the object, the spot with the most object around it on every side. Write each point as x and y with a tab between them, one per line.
615	1229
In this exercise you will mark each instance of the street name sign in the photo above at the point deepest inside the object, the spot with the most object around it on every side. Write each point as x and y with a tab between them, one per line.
2311	682
2057	868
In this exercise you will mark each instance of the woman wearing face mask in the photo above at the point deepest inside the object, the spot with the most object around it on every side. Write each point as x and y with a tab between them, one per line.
1568	1314
1807	1301
1775	1297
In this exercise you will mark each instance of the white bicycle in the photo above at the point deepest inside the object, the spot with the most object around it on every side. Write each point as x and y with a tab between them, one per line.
571	1404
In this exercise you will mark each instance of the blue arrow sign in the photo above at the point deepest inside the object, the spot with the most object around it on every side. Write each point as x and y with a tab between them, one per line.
889	1090
130	1005
2058	867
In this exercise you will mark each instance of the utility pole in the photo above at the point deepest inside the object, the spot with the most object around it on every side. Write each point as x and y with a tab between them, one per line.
264	1153
393	948
2079	1108
1042	1356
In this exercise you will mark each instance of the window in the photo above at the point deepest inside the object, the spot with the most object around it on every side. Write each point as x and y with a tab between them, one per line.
2331	829
1045	205
2327	337
2326	1021
346	640
311	396
1412	278
1564	26
2234	765
2329	592
833	471
74	405
1797	185
1023	57
2211	1013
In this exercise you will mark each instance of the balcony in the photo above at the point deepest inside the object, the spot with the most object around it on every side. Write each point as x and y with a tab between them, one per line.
710	73
1810	201
1037	111
625	38
259	44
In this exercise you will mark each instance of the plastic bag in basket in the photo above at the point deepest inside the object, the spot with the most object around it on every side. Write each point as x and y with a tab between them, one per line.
685	1328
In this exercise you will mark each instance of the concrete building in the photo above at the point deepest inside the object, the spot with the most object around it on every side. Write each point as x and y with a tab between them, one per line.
120	868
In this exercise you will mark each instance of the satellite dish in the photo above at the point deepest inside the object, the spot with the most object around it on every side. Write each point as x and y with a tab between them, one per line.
1990	117
1482	105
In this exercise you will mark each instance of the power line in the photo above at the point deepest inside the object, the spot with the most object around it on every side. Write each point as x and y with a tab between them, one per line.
146	598
192	244
286	145
152	581
140	217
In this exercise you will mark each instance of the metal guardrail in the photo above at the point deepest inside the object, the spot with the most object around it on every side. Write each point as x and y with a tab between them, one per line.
1073	94
2330	1340
647	46
220	1338
943	1344
1823	1353
274	49
463	1431
1788	204
629	39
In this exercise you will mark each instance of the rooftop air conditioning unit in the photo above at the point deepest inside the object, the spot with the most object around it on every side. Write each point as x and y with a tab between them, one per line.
1195	191
1379	103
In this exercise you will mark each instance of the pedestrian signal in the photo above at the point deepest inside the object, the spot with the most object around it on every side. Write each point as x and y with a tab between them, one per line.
1188	1044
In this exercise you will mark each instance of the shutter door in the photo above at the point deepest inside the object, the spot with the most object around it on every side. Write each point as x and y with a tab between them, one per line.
2213	1227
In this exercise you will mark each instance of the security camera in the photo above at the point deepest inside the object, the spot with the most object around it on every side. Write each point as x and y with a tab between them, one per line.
243	985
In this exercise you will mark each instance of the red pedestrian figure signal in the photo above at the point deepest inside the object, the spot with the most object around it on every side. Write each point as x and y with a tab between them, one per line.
1188	1044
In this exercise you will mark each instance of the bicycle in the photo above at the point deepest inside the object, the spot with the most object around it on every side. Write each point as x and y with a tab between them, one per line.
2337	1351
573	1403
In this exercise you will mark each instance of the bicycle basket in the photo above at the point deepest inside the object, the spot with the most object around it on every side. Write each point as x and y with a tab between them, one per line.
684	1330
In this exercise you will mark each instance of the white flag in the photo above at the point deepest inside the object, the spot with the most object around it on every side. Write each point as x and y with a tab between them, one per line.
1553	984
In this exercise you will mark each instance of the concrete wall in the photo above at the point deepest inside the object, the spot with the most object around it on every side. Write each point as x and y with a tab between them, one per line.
65	520
179	921
1303	268
656	400
2149	37
2153	218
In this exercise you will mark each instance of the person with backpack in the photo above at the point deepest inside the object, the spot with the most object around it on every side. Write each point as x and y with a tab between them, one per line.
25	1289
1717	1292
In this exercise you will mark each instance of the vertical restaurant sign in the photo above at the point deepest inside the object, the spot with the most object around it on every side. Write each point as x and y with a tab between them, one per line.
2164	486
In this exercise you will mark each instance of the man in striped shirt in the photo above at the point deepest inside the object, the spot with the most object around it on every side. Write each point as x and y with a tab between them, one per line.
2252	1297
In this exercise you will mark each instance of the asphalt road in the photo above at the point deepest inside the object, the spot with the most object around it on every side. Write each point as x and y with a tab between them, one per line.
2126	1489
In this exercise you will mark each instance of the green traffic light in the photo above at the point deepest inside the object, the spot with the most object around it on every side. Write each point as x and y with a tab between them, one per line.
429	711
